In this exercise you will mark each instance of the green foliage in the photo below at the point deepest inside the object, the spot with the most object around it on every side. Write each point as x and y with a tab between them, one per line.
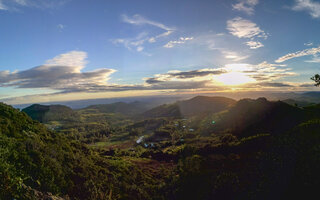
32	156
316	79
273	152
46	114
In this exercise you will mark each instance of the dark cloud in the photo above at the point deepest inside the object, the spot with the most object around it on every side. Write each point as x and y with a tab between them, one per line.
196	73
153	80
274	84
307	85
184	75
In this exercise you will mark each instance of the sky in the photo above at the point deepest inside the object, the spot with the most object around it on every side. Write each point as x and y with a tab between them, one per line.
58	50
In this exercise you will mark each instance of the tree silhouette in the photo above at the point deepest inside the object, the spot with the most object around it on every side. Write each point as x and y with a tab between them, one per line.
316	79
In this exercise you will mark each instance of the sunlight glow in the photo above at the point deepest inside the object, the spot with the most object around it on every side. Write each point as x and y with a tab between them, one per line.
234	78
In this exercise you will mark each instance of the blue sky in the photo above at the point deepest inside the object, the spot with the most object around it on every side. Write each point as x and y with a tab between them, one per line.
74	49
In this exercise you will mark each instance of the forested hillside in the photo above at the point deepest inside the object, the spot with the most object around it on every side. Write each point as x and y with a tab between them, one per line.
250	149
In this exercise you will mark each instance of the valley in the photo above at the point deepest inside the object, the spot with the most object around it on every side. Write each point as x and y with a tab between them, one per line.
198	148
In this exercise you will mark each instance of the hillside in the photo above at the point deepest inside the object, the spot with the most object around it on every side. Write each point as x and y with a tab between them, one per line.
43	113
249	117
36	163
120	107
36	158
272	153
200	105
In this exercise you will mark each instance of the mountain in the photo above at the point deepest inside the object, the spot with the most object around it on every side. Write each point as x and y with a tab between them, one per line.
204	105
43	113
166	110
199	105
250	117
120	107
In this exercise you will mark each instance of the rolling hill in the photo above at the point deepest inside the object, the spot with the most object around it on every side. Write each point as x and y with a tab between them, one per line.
250	117
44	114
199	105
133	108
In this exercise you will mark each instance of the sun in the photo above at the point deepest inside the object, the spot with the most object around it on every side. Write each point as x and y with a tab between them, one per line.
234	78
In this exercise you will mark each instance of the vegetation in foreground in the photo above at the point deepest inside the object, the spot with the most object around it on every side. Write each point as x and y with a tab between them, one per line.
251	149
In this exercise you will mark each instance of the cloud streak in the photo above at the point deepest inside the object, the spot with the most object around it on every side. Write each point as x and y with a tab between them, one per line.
139	20
16	4
138	42
306	52
181	40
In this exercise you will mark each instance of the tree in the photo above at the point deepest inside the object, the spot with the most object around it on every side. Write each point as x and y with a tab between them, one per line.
316	79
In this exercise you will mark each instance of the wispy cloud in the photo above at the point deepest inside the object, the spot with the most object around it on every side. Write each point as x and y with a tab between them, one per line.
133	43
16	4
308	44
181	40
138	42
243	28
61	27
139	20
254	44
2	6
234	56
312	7
306	52
315	59
267	72
246	6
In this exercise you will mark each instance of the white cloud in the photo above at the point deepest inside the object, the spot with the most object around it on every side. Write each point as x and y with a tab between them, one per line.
72	58
254	44
246	6
306	52
243	28
181	40
312	7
